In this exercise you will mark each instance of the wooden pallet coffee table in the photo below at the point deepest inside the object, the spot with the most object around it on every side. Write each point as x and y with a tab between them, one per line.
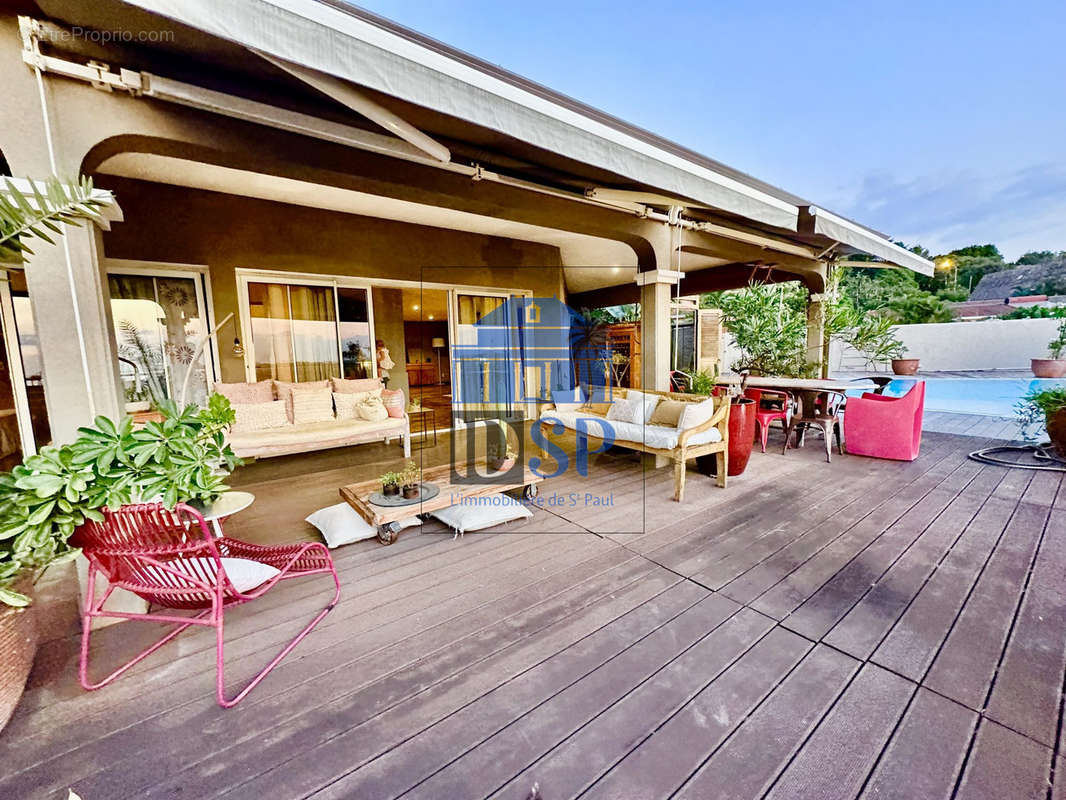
357	495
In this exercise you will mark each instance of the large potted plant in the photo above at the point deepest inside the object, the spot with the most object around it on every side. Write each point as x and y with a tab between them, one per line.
1047	406
1054	367
43	500
741	426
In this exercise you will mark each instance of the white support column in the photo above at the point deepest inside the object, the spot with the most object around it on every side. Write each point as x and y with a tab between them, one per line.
655	295
72	316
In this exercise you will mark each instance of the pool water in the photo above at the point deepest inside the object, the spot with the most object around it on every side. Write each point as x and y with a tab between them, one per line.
994	397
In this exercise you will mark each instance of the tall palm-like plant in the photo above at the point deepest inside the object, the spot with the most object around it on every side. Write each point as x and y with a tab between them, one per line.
40	211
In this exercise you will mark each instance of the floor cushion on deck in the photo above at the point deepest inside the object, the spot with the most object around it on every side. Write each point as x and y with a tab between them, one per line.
341	524
243	573
476	513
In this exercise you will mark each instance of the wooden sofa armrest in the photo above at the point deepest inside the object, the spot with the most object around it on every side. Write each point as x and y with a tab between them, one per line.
719	419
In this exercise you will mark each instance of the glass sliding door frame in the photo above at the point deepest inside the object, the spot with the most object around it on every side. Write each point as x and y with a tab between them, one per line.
201	279
15	367
250	276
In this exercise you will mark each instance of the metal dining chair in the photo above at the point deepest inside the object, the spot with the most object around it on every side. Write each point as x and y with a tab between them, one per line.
819	408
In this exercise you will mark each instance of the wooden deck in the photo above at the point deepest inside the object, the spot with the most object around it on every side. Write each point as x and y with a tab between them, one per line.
860	629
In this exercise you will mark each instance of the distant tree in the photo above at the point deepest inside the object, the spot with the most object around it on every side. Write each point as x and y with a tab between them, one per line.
1036	257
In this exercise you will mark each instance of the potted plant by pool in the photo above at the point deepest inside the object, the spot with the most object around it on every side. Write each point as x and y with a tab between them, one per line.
184	458
901	365
390	484
410	480
1054	367
1047	406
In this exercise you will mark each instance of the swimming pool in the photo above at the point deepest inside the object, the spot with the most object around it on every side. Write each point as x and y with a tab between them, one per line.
993	397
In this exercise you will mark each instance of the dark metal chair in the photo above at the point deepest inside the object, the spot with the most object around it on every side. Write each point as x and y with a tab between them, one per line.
819	408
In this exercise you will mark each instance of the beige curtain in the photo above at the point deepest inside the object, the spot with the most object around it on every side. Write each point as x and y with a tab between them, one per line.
314	328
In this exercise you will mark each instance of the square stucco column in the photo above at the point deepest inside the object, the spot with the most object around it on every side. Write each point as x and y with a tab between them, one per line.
67	288
816	334
655	290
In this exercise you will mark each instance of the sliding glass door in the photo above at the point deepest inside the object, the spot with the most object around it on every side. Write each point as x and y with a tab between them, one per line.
485	357
309	331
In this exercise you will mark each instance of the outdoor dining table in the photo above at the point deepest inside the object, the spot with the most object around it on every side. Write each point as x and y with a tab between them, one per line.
794	384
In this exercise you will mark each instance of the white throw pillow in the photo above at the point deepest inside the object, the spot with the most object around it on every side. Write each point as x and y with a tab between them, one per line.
622	410
311	405
475	513
643	405
696	414
243	573
341	524
371	409
259	416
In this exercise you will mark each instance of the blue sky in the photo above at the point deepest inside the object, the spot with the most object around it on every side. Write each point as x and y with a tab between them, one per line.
942	123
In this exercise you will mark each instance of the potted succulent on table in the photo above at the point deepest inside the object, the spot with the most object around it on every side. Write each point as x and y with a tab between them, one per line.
901	365
390	484
1054	367
501	457
1047	406
183	458
410	480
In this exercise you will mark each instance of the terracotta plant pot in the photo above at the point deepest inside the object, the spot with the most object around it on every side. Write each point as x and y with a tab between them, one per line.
501	465
1056	431
741	439
1048	367
411	492
18	645
905	366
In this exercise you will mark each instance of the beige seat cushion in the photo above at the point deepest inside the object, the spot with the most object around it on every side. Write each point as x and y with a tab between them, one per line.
696	414
283	391
668	412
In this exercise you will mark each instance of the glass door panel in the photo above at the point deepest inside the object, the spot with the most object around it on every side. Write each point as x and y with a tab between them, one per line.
483	358
32	368
268	307
159	326
357	347
14	422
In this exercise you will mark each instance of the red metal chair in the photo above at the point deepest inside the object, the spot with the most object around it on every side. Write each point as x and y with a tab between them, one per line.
172	559
770	405
886	427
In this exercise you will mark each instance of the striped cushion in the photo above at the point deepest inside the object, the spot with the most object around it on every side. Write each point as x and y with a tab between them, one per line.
394	402
348	386
283	391
246	393
259	416
311	405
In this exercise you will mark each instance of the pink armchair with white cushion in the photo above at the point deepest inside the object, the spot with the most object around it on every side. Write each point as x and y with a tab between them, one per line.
885	427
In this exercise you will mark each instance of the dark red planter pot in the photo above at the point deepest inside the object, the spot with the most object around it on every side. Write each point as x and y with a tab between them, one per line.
741	434
741	439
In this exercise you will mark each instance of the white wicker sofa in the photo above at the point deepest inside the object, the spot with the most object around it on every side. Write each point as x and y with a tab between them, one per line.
678	444
291	438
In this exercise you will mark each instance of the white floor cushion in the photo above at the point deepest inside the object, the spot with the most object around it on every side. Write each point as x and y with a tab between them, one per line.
476	513
243	573
341	524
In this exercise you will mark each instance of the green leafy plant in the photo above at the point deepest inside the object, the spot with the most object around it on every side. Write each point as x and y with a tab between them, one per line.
1037	312
390	479
702	382
767	329
40	212
1057	345
44	499
411	474
1037	407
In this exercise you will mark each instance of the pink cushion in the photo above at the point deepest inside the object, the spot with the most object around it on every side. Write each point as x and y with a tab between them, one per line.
346	386
284	391
394	401
246	393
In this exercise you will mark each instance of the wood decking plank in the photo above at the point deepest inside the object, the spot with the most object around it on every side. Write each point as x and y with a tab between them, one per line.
663	761
481	746
926	753
836	759
1028	690
1004	764
582	758
754	755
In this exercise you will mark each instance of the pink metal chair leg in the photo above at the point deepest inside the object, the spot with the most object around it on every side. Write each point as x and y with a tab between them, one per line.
220	645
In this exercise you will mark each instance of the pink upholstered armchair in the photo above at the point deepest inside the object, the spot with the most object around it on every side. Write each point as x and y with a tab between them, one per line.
885	427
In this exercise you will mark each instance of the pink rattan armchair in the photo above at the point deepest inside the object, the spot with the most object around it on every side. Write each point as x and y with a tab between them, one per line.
171	559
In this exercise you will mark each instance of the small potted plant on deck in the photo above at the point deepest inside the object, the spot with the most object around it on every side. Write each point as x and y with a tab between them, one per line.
390	484
501	457
410	480
1054	367
1047	406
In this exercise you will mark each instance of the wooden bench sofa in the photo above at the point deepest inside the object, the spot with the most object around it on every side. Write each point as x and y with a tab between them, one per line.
712	436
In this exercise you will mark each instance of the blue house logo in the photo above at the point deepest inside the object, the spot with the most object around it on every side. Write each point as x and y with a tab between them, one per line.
526	349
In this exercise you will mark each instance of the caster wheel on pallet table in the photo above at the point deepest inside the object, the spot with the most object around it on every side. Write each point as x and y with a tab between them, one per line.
531	491
387	533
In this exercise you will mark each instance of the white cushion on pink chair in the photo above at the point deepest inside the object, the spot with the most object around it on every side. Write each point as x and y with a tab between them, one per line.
243	573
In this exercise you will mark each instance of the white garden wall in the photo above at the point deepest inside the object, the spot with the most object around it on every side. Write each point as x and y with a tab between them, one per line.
992	344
